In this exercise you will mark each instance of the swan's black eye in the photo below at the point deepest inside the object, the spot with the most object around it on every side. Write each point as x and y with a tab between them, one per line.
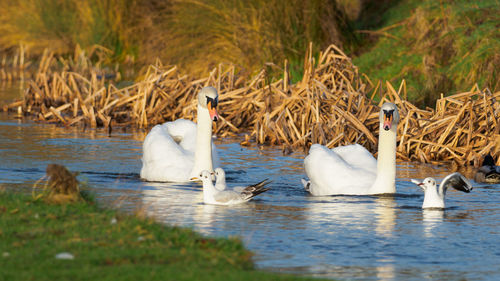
212	101
388	113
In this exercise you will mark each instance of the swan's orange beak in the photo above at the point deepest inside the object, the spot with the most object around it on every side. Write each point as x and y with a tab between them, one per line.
212	110
194	179
387	121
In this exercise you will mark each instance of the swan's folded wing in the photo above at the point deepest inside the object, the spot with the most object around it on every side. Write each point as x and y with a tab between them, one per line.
163	158
357	156
184	132
331	174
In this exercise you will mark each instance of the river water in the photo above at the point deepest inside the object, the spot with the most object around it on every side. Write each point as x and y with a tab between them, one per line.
341	237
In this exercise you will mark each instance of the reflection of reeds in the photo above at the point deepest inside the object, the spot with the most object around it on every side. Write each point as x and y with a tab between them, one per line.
329	106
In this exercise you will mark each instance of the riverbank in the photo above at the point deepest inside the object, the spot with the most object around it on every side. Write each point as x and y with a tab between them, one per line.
332	105
105	244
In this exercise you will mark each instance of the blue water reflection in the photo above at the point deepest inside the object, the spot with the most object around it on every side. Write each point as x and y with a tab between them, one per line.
342	237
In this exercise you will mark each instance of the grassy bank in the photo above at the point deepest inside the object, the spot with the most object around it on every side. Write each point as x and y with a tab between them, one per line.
107	245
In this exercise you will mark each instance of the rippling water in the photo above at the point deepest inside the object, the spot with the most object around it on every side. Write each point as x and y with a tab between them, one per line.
341	237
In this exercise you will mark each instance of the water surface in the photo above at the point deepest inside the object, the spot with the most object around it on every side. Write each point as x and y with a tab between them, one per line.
341	237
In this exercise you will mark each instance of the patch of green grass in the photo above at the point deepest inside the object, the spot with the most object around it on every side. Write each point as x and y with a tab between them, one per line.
436	46
33	232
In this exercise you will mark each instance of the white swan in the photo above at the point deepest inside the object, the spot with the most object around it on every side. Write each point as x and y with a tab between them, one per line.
178	151
434	197
214	196
351	169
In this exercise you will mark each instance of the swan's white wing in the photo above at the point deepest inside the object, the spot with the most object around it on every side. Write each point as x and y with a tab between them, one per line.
456	181
163	158
357	156
168	152
330	174
184	131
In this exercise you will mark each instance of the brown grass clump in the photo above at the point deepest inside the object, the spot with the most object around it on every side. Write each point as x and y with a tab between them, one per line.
62	186
331	105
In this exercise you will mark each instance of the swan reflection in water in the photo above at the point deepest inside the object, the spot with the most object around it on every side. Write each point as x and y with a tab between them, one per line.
328	224
183	205
350	219
175	204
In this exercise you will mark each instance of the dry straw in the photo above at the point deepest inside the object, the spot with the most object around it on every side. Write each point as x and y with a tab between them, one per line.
332	105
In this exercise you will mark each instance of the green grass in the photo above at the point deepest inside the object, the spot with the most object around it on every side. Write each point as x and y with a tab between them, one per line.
33	232
437	47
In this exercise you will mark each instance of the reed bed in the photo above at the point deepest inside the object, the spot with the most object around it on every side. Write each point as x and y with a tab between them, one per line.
15	67
332	105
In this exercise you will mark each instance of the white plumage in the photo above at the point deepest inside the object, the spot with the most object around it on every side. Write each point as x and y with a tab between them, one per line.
179	150
352	169
434	196
212	195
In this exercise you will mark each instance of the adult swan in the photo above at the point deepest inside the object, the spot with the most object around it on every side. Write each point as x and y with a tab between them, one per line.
178	151
351	169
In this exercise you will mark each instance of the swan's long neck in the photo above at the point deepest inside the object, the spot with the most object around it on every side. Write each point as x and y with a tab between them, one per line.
386	163
203	152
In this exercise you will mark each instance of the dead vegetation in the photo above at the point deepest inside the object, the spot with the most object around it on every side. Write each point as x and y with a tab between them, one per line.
332	105
14	66
61	187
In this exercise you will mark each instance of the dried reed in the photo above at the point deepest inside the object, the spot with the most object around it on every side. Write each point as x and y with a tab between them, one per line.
328	106
15	67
